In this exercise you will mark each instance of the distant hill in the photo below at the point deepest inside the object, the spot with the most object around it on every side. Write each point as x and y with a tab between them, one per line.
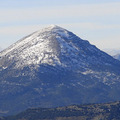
0	49
117	56
108	111
112	52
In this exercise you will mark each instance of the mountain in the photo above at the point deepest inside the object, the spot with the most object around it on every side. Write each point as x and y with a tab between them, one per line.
106	111
117	56
53	67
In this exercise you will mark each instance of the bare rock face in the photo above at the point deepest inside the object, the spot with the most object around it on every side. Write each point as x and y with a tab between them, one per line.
54	67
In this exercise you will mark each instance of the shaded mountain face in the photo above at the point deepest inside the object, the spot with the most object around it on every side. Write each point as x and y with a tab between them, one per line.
54	67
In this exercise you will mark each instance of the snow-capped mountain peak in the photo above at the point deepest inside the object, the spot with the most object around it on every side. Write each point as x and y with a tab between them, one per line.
54	46
43	47
53	62
40	47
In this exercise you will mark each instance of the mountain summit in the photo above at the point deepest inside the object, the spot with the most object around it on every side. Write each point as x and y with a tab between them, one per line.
54	67
53	46
50	46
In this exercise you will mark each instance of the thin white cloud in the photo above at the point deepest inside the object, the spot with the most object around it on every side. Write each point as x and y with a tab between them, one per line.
19	30
76	11
92	26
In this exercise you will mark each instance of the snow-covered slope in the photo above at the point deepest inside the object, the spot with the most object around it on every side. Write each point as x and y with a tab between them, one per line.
54	46
47	46
48	66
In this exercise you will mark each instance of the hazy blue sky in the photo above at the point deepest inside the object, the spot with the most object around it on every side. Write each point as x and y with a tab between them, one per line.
95	20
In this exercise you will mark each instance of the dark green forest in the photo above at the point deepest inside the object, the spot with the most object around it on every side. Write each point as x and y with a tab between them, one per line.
108	111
